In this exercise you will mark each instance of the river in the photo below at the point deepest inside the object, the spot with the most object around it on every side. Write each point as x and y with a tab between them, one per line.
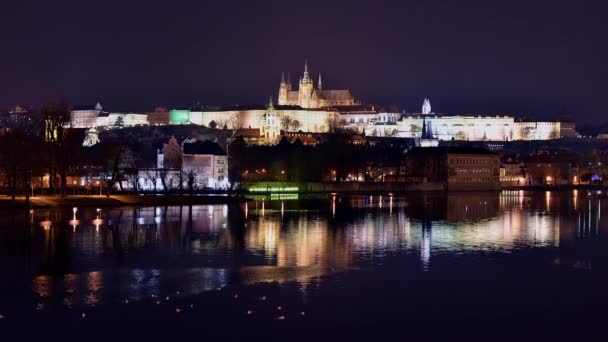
480	265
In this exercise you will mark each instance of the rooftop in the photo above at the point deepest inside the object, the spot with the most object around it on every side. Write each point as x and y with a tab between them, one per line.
204	147
441	150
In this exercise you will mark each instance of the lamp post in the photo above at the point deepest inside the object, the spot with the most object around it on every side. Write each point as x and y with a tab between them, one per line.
99	184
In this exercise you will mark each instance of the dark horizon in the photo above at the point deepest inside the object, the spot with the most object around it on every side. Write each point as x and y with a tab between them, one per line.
535	59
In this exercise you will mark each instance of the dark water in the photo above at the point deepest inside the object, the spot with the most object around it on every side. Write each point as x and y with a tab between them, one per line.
497	266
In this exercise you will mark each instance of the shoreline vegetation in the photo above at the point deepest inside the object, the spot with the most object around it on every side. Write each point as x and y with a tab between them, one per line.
54	201
121	200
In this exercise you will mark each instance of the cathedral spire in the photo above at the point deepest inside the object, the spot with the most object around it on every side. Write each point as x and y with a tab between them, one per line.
270	105
306	77
426	106
282	78
320	86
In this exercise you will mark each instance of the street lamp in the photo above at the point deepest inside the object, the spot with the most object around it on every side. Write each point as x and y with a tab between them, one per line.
99	187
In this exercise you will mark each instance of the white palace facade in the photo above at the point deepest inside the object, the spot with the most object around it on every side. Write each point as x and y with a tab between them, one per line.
316	110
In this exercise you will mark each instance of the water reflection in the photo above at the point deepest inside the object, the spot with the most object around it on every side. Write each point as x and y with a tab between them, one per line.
88	257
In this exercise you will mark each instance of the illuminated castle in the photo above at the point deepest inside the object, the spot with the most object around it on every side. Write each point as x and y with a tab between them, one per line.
308	97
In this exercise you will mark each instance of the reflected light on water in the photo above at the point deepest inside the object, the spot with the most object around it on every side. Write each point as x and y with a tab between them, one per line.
287	241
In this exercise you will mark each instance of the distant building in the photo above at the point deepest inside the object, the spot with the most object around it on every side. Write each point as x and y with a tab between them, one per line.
251	136
121	119
85	116
17	116
426	106
567	129
270	124
308	97
91	138
160	116
459	168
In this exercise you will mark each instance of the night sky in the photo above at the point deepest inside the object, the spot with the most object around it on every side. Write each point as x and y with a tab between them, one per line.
536	58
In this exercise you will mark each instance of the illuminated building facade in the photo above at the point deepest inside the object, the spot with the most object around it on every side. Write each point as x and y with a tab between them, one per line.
160	116
459	168
85	116
116	120
308	97
205	161
208	161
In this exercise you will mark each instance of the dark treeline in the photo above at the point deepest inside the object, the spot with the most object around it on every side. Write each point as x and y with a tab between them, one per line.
37	147
333	159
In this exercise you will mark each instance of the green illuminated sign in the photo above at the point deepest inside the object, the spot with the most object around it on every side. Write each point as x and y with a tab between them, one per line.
275	189
179	117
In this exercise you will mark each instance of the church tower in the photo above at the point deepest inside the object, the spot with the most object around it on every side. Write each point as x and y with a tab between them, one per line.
320	86
305	89
426	106
282	100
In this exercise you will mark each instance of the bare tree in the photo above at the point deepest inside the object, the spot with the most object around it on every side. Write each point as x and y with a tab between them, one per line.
118	159
236	121
64	145
295	124
162	174
190	175
286	122
151	175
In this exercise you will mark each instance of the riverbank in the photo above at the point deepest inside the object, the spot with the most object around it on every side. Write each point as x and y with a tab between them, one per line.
50	201
589	187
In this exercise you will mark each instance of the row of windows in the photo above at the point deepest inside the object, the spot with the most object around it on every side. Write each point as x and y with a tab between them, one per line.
471	179
472	170
472	161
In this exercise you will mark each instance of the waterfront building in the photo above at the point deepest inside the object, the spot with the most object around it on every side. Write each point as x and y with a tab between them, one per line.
307	96
207	162
459	168
513	173
550	170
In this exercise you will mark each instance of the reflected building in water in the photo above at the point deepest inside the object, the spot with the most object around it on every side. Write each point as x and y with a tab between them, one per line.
139	252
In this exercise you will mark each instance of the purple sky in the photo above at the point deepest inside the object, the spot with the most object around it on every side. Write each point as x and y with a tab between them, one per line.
524	57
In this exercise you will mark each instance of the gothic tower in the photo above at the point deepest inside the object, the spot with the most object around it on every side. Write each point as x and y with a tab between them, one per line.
282	100
320	86
305	89
426	106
